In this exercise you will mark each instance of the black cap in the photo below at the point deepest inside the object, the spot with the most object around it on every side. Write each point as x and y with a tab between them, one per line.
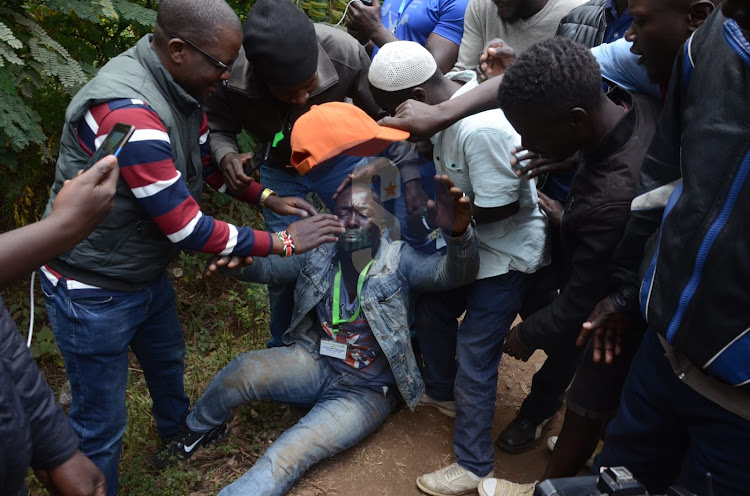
279	40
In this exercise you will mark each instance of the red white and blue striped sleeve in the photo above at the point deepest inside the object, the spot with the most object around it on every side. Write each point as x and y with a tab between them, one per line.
147	167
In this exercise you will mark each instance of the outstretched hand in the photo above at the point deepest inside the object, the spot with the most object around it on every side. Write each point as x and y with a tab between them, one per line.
228	261
306	234
495	58
608	326
452	209
314	231
419	119
290	205
539	165
369	170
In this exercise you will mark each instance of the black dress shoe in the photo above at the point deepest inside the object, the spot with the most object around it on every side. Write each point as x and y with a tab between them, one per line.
520	435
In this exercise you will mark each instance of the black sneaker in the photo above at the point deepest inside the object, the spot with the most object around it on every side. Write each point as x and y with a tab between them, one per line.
520	435
185	443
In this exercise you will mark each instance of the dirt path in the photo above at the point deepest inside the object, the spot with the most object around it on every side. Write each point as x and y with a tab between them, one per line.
410	444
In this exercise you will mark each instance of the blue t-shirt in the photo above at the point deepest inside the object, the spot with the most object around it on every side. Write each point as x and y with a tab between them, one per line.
420	18
617	23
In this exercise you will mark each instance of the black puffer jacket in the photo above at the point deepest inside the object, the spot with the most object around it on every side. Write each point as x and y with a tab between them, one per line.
586	24
33	428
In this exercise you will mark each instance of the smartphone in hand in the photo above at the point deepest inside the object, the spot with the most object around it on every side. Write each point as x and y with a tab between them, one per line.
113	143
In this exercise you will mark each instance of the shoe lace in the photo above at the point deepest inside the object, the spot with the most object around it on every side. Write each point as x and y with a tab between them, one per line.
455	470
508	488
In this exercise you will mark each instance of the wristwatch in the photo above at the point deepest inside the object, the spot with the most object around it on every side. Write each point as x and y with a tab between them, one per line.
264	196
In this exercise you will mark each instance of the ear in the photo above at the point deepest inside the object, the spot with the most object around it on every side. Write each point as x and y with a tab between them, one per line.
698	12
176	50
419	94
577	117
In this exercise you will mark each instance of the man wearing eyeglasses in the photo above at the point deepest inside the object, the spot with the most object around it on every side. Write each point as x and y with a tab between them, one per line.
111	292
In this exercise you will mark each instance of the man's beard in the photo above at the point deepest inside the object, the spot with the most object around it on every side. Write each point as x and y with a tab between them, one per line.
510	20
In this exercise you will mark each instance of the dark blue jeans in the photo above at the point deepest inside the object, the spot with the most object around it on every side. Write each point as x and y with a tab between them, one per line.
665	432
470	354
94	334
345	410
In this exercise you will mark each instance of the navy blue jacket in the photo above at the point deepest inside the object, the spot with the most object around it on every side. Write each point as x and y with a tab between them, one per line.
695	196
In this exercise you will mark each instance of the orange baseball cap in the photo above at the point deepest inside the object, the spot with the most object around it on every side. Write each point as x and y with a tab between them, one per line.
333	128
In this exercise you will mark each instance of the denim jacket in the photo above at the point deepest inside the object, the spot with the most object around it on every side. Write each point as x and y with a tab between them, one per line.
397	270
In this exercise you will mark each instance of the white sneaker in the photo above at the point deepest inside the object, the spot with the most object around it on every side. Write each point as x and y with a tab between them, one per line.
552	442
450	481
447	408
502	487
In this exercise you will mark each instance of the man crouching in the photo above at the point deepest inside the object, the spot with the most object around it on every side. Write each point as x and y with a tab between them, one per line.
348	348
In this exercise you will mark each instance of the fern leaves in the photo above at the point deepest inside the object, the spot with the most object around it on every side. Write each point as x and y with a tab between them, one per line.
48	50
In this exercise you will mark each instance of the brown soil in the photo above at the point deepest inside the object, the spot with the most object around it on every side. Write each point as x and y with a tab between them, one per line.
410	444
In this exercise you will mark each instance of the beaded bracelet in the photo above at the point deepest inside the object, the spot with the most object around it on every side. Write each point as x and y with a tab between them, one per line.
424	220
286	239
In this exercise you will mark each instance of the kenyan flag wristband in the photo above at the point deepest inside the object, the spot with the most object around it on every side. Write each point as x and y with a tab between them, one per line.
286	239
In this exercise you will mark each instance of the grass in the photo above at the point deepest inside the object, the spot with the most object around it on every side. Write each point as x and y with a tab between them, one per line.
221	318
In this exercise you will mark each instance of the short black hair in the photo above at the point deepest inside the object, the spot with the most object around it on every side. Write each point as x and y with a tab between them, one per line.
196	20
552	74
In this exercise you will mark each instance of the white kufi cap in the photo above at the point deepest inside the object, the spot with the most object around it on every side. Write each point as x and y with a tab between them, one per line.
400	65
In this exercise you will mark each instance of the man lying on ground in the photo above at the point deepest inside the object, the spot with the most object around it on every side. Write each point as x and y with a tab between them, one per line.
348	351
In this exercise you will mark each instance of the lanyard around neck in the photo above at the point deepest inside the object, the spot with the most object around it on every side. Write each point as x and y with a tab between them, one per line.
335	311
401	9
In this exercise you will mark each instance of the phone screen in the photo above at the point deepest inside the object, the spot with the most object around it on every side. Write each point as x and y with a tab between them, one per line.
113	143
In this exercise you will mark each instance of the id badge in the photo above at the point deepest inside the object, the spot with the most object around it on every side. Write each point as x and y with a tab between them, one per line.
440	243
333	349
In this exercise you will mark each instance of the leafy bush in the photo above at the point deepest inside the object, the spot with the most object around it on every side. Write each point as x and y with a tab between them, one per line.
48	51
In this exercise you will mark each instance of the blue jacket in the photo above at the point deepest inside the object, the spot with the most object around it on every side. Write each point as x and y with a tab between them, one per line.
397	270
690	217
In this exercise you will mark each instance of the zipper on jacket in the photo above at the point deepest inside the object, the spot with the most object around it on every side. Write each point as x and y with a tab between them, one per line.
705	247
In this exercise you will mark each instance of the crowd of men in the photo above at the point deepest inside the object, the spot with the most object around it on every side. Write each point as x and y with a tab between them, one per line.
580	165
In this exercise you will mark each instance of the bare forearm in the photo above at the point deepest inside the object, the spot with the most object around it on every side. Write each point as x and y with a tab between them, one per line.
23	250
481	98
381	36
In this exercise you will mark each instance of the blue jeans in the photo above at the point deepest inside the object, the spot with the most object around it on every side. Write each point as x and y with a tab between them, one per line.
665	432
323	180
344	411
93	334
491	306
